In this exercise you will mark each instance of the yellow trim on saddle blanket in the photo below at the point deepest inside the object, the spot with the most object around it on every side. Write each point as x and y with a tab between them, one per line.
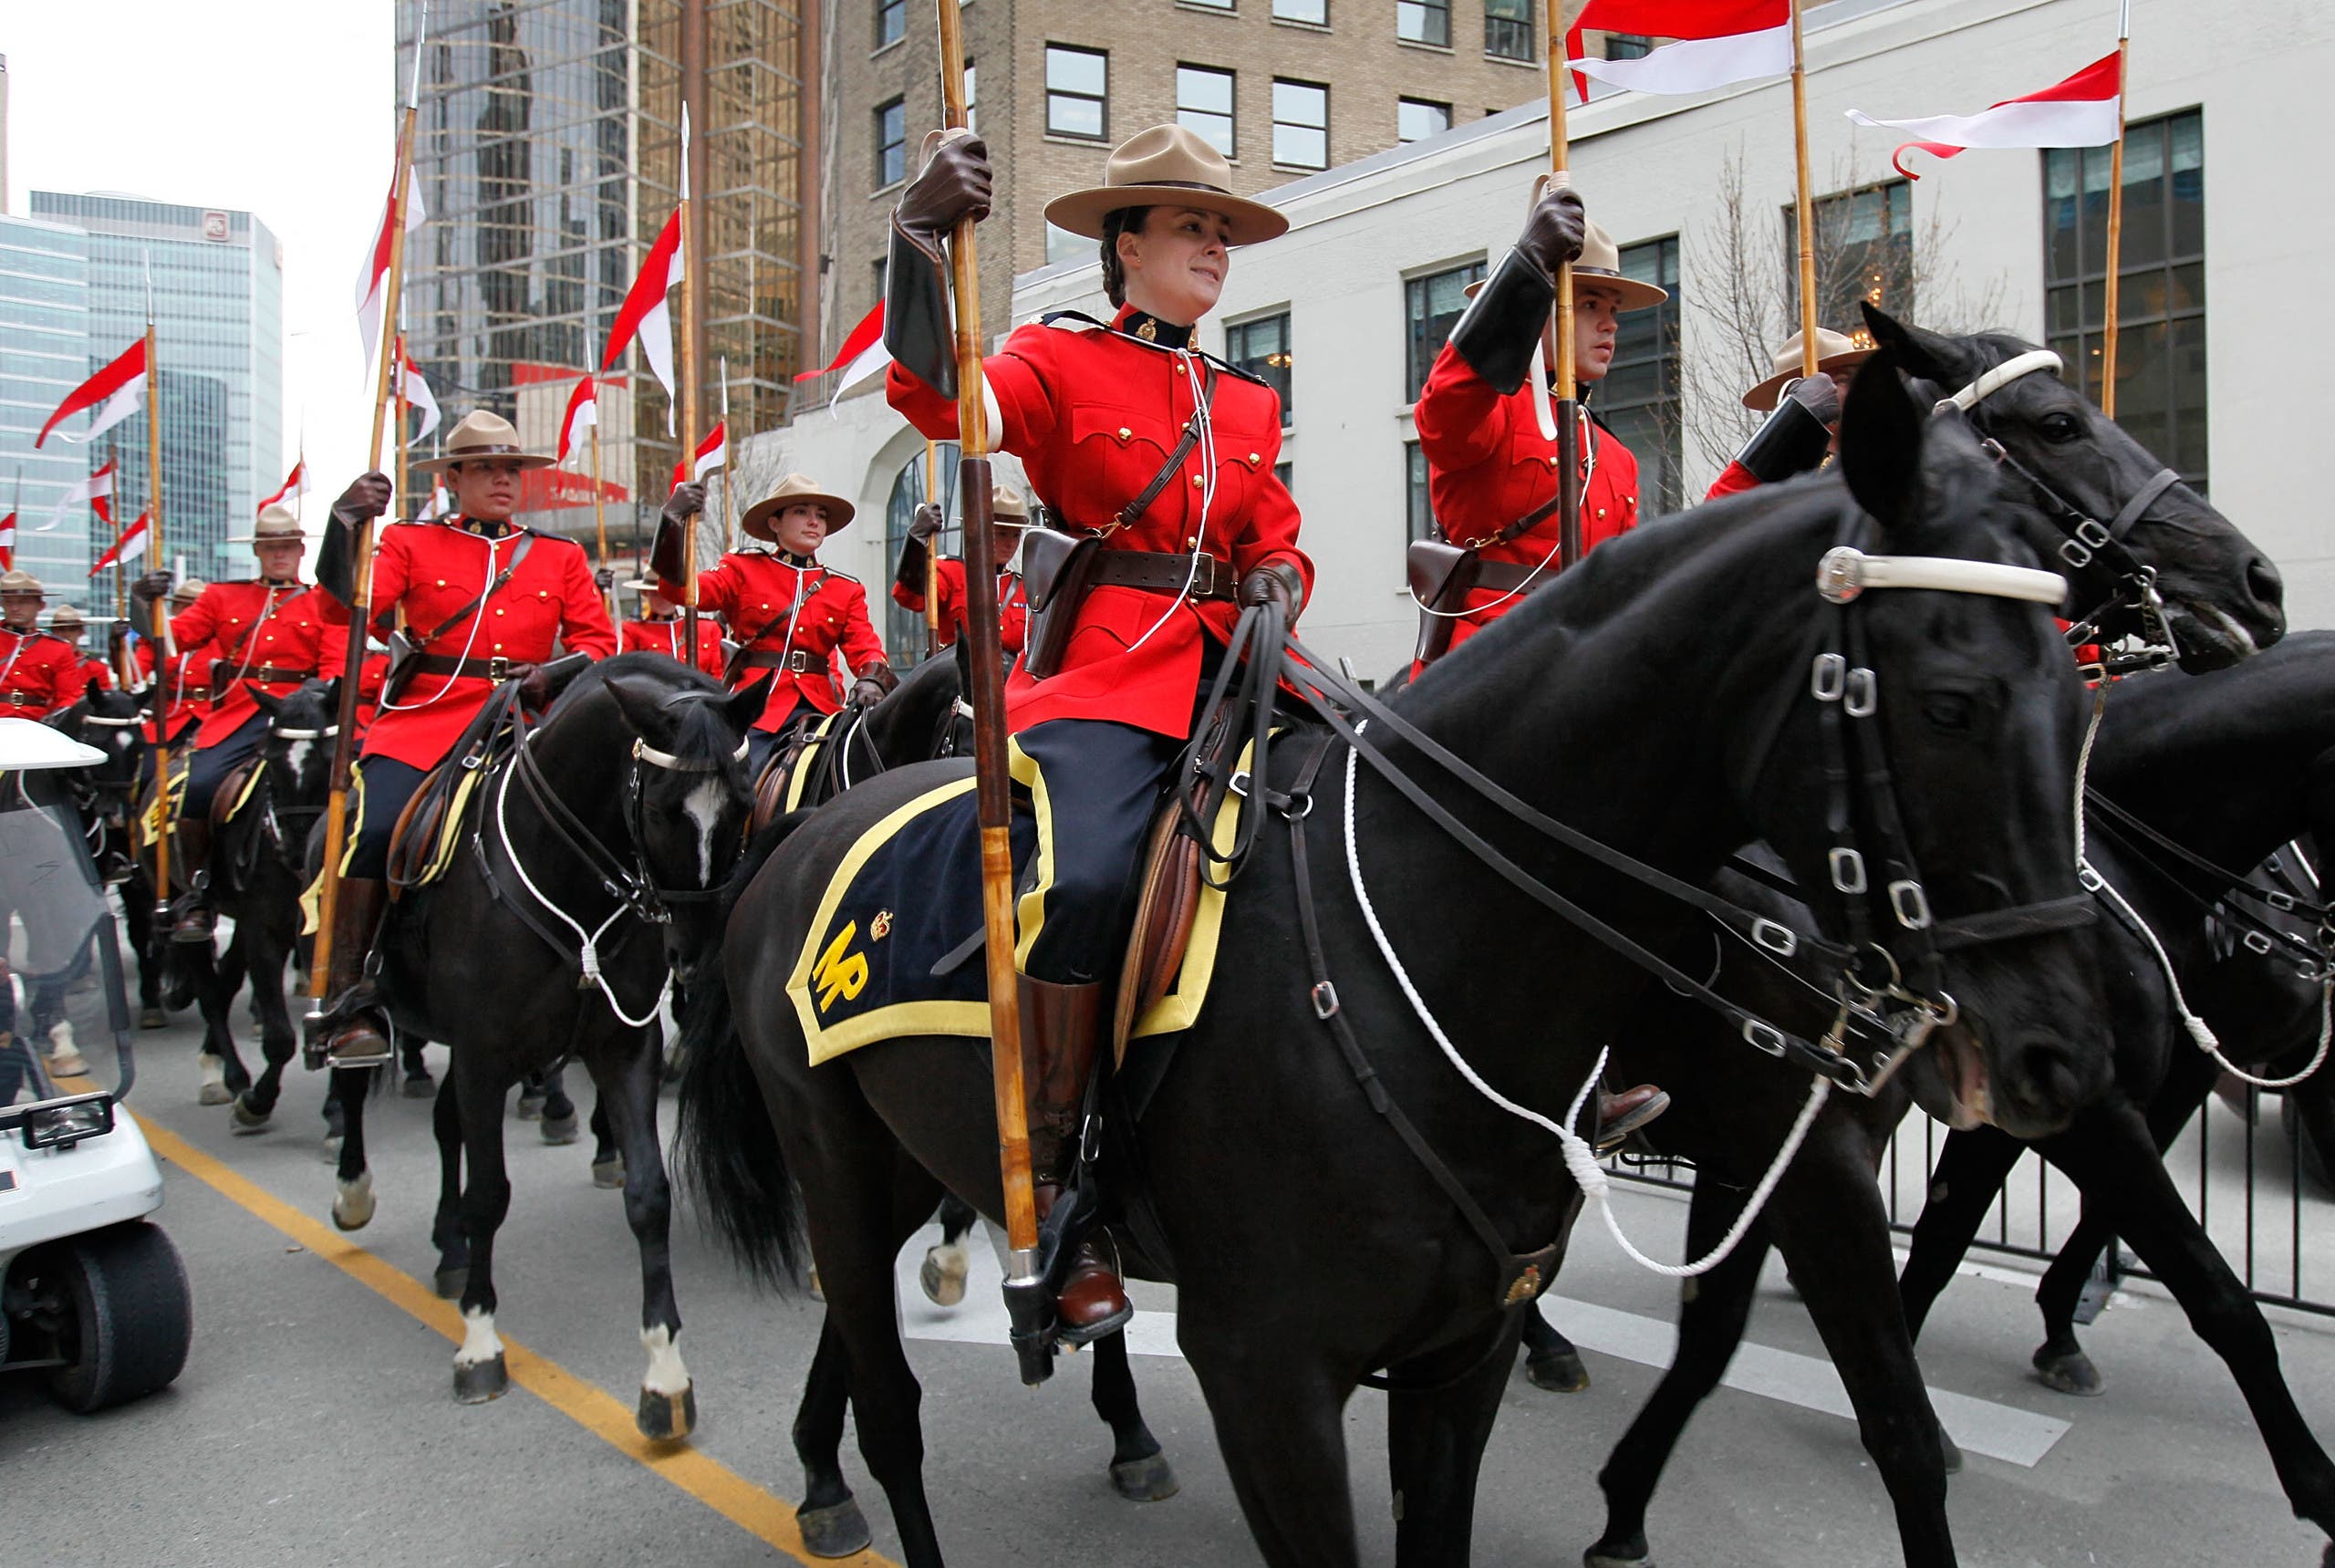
827	964
150	815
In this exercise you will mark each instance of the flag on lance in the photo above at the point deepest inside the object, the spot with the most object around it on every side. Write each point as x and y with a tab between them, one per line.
583	413
644	314
114	392
1717	42
8	540
127	547
2081	111
862	355
295	486
416	392
374	276
709	455
93	491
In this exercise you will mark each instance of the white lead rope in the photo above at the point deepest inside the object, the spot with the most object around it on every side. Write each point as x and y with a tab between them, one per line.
589	941
1580	1156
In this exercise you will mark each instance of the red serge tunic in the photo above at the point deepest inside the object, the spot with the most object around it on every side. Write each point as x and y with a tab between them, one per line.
186	695
38	674
648	635
1092	414
1012	606
254	626
777	603
432	570
1489	465
97	675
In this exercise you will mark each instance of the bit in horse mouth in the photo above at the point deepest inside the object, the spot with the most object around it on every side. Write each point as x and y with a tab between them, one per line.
1962	1064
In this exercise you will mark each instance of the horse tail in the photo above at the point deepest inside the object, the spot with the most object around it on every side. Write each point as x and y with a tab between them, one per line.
725	1151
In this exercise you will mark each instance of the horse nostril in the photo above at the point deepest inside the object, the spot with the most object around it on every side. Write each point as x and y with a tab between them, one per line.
2270	589
2047	1078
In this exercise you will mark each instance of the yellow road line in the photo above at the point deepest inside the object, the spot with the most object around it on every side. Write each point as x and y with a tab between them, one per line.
758	1512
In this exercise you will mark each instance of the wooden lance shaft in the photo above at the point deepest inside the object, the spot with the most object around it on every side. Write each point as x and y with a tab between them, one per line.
1561	346
2115	244
932	554
1805	205
163	647
360	594
990	786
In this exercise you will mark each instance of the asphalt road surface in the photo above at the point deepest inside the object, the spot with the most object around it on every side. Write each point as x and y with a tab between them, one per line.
316	1424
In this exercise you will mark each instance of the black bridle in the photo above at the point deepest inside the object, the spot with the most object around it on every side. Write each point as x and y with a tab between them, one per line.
2251	909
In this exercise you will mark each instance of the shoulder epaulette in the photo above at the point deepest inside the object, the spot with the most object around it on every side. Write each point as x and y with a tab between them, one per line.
1076	318
1230	369
847	576
1598	420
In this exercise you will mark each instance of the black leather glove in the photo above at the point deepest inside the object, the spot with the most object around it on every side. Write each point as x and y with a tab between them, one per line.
874	683
367	497
1819	394
927	521
669	557
1553	234
1276	582
954	183
152	586
686	502
534	685
605	578
867	693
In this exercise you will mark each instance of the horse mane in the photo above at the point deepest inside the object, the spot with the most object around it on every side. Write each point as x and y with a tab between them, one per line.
699	733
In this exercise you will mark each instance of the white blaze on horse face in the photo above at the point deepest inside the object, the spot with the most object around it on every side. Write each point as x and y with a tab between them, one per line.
295	758
666	1374
480	1344
703	806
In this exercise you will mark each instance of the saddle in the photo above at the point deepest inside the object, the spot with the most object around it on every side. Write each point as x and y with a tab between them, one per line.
429	831
1166	909
235	791
785	781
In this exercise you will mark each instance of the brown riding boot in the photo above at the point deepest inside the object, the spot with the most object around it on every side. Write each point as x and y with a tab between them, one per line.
1062	1026
1619	1115
191	915
356	1035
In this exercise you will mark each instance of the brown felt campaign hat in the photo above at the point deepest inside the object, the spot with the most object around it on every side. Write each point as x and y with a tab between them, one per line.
63	616
1008	507
187	592
481	434
1600	264
19	581
1167	166
795	488
275	522
1834	351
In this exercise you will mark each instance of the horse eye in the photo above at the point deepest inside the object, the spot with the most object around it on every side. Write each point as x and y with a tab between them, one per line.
1947	710
2061	427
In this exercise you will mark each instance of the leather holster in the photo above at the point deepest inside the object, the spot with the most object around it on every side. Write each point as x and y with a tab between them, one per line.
1055	571
1439	576
403	652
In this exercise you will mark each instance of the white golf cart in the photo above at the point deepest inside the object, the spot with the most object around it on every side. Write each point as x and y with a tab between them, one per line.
91	1292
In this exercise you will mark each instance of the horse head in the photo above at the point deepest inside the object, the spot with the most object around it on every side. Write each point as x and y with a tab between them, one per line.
918	719
689	797
2098	501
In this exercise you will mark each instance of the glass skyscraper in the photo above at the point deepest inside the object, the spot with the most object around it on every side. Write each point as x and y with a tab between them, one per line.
44	355
216	279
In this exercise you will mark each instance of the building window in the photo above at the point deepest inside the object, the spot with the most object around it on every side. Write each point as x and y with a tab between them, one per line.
1316	12
1865	250
1261	348
1416	119
1627	45
1418	509
1301	124
1204	102
1062	245
891	21
1287	473
1211	4
1639	397
1431	305
972	102
1077	90
2160	310
891	143
883	277
903	628
1508	30
1424	22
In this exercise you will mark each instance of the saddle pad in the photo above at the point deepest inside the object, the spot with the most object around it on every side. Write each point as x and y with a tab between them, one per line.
909	894
235	790
150	806
805	765
430	830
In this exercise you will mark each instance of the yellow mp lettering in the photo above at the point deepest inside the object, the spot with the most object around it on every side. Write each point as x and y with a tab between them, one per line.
838	973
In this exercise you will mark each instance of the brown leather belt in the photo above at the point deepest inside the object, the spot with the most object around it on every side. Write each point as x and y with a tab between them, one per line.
495	669
799	660
264	674
18	700
1163	572
1508	576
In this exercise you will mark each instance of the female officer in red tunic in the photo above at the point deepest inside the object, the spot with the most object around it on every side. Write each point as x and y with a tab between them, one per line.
486	601
270	633
660	627
38	672
1127	433
1009	514
1486	425
787	612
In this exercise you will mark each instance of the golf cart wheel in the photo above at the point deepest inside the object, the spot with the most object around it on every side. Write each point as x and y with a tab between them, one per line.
127	1319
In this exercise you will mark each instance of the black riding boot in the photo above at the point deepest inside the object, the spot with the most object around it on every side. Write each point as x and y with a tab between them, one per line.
354	1032
1062	1026
191	917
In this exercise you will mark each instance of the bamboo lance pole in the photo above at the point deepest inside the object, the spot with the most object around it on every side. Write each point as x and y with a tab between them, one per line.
360	592
1561	347
932	553
1804	208
164	645
2115	225
729	467
1025	1298
693	270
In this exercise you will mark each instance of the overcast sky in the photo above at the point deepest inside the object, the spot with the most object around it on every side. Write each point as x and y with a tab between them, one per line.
282	108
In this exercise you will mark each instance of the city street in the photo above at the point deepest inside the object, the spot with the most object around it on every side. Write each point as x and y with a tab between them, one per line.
314	1421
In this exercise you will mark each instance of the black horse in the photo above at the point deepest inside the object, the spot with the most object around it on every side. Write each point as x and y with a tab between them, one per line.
2227	763
922	718
1310	1249
634	780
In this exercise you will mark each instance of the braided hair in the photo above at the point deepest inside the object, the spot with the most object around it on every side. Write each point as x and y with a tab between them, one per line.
1125	220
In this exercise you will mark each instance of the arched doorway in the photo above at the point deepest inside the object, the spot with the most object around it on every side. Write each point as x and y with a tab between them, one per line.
904	628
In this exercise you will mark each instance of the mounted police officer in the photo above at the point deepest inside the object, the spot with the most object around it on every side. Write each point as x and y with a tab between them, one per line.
1165	456
39	672
787	612
268	633
1803	414
67	623
484	601
1009	516
179	697
659	627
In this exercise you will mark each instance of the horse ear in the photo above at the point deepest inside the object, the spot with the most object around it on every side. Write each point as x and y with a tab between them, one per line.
1881	442
332	698
639	697
273	706
746	705
1918	353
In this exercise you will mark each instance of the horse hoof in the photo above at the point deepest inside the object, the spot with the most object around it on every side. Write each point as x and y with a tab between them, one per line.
1562	1373
943	1275
2070	1373
481	1380
663	1418
450	1283
558	1131
531	1108
609	1173
1630	1553
419	1086
244	1121
839	1529
352	1207
1148	1479
213	1071
152	1018
1951	1452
